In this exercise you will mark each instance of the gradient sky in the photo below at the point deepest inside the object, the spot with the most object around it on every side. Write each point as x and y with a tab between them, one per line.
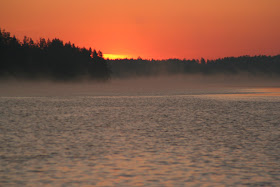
151	28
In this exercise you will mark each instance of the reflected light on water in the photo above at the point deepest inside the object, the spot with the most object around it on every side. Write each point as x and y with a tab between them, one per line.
190	139
247	93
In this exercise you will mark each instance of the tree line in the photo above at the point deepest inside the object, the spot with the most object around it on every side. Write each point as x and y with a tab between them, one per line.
52	59
254	65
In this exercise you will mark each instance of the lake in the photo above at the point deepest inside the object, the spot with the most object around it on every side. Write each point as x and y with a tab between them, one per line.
190	137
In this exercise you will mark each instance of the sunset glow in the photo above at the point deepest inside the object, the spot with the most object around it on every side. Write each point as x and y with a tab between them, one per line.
150	28
115	56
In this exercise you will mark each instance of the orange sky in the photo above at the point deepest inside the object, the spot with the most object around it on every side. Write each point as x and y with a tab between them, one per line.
151	28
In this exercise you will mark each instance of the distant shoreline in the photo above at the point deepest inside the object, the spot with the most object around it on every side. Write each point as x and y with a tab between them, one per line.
58	61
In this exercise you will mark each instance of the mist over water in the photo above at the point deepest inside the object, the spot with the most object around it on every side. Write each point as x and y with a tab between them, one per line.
168	84
155	131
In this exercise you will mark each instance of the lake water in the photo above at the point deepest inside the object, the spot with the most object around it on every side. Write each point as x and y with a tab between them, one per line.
189	138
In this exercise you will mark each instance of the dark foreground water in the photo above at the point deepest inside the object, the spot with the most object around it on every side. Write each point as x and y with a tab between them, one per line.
187	139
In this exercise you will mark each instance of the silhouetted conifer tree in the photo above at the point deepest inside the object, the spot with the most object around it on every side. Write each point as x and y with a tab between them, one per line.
49	58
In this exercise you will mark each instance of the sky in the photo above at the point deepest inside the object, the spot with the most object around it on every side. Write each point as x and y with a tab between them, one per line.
157	29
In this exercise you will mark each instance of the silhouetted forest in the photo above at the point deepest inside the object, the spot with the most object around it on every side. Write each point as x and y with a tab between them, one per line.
52	59
255	65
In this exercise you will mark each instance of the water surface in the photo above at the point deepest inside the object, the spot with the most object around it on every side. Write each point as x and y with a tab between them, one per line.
185	138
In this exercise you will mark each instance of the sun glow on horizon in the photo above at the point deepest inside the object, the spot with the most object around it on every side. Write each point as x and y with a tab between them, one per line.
115	56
